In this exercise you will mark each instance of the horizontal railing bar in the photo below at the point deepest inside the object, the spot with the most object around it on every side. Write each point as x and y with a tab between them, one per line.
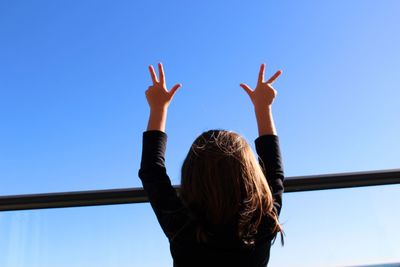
342	180
138	195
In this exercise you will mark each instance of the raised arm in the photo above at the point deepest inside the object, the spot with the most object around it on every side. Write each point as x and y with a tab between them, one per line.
153	174
267	144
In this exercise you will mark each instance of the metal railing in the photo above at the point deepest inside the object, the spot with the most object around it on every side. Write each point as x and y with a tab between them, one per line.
138	195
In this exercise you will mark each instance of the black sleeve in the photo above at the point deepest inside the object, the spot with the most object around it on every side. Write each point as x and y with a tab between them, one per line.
268	150
162	196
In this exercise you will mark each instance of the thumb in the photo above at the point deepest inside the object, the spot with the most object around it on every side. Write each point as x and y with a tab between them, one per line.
246	88
174	89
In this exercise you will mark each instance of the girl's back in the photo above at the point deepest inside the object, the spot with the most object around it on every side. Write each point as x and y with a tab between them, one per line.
194	239
222	250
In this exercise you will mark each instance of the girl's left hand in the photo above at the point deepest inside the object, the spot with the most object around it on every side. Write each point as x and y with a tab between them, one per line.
157	95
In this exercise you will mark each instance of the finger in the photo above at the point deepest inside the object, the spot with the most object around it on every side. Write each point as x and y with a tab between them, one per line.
246	88
261	74
161	73
274	77
153	75
174	89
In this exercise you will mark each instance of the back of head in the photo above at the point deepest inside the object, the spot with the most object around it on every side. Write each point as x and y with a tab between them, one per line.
222	182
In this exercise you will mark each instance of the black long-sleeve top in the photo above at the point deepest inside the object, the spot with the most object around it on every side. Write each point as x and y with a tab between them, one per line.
179	227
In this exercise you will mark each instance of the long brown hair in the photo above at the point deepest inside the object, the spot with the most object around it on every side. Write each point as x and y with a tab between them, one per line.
222	181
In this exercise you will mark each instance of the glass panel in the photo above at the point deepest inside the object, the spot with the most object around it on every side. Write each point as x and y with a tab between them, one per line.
73	76
118	235
323	228
346	227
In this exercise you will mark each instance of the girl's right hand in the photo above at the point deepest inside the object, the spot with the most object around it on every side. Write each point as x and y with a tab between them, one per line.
264	94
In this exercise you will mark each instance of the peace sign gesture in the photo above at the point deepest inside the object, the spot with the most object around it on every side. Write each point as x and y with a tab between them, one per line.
264	94
157	94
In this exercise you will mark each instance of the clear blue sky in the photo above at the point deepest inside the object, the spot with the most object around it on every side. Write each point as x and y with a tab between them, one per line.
73	109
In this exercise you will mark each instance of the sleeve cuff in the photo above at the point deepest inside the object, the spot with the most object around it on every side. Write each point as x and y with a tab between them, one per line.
154	133
262	142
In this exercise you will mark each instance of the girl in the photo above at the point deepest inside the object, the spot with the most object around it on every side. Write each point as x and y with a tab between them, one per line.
229	203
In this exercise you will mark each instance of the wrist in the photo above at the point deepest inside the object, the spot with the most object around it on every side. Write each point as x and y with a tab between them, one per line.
157	119
265	121
159	109
263	109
